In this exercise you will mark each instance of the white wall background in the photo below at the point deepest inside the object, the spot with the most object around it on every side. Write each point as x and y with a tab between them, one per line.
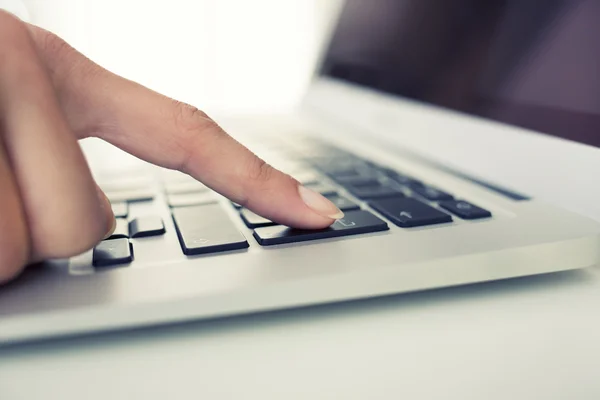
221	55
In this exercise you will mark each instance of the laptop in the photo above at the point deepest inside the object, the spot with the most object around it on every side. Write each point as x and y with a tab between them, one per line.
461	139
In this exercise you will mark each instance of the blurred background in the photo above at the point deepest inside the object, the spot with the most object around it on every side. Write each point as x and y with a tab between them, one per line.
224	56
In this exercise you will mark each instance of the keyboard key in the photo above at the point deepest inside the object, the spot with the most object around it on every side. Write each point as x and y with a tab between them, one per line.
120	209
112	252
191	199
354	222
206	229
401	179
236	205
131	196
253	220
408	213
324	189
343	203
373	190
431	193
465	210
121	230
146	226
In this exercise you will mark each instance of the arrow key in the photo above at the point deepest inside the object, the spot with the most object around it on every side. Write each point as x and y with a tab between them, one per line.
409	213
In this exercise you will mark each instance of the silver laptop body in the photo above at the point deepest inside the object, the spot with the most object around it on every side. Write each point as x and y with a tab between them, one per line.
504	197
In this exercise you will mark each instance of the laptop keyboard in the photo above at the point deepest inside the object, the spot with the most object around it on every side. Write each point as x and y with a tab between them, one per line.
370	195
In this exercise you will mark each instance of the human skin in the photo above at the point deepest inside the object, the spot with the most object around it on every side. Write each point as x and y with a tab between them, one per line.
51	96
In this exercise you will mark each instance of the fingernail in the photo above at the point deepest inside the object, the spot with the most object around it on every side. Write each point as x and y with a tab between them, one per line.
319	204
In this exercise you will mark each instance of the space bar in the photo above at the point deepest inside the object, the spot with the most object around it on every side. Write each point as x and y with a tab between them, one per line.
206	229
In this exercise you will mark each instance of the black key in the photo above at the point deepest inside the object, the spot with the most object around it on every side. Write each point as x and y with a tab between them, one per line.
131	196
191	199
343	203
112	252
431	193
120	209
206	229
253	220
341	167
407	213
121	229
465	210
236	205
373	190
354	222
146	226
402	179
324	189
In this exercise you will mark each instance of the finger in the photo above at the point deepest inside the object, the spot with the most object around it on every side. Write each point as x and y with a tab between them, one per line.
179	136
175	135
63	209
14	243
107	212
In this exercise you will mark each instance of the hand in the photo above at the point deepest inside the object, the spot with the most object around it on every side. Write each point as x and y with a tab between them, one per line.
51	95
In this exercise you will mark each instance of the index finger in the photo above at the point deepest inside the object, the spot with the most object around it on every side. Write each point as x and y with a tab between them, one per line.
178	136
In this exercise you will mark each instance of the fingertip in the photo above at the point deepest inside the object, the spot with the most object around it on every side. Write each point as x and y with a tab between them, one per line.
319	204
111	222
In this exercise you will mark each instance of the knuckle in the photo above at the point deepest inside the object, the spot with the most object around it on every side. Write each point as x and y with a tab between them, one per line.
11	23
195	131
13	33
54	45
188	118
259	172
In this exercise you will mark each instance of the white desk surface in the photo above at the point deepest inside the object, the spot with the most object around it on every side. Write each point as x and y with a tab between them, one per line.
531	338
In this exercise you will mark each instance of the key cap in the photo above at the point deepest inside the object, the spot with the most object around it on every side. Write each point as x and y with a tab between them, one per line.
431	193
206	229
253	220
354	222
465	210
121	230
191	199
120	209
112	252
146	226
373	190
400	178
131	196
322	188
342	202
408	213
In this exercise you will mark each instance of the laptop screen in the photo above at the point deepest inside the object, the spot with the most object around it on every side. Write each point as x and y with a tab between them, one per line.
534	64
